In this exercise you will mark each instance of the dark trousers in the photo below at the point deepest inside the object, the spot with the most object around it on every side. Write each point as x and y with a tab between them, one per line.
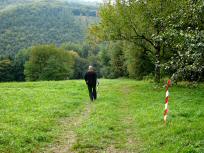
92	92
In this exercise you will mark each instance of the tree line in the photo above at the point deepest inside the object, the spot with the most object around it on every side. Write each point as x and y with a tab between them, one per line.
136	39
46	62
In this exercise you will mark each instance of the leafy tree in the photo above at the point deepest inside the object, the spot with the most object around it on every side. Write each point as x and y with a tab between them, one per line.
139	22
18	65
48	62
117	60
80	53
72	46
139	63
185	38
79	68
6	68
104	56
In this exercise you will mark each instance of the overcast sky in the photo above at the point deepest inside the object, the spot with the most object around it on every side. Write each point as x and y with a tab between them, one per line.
95	0
92	0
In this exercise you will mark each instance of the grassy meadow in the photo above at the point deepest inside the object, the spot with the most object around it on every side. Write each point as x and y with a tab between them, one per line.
127	117
29	112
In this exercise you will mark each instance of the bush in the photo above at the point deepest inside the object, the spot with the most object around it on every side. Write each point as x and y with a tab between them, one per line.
47	62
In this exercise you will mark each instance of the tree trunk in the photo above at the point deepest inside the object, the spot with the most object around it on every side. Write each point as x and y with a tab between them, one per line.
157	64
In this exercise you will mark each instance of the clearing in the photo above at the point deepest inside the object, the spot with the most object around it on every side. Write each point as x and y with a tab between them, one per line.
57	117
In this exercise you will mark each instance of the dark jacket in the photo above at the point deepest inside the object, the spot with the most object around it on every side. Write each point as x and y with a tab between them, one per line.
91	78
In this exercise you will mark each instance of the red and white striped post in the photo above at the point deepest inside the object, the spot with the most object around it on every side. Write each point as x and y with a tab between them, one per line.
166	100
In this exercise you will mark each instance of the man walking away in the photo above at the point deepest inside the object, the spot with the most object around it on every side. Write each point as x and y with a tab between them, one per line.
91	79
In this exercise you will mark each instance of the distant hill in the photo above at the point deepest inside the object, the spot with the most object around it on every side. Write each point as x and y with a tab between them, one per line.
5	3
24	23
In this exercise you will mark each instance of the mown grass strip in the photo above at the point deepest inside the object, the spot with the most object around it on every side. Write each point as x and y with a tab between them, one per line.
105	130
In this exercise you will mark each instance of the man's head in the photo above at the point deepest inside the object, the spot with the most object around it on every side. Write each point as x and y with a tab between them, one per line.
90	68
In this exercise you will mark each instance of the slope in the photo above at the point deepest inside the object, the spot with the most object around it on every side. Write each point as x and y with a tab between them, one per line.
26	23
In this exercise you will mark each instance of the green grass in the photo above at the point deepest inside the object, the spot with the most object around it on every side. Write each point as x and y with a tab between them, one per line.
29	112
128	116
134	110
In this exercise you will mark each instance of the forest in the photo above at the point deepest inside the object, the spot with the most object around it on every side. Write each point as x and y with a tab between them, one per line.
25	24
134	39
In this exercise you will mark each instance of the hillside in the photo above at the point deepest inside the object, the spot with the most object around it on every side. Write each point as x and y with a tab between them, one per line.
5	3
25	23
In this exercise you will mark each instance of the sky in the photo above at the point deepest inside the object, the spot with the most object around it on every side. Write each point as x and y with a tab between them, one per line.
90	0
94	0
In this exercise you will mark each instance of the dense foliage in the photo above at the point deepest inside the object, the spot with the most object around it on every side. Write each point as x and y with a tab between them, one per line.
6	68
46	62
161	31
185	39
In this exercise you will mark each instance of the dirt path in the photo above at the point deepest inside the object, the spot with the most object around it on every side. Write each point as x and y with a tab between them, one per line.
132	142
68	137
127	119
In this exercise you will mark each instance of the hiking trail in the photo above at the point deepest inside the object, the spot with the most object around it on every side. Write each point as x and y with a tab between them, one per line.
68	137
